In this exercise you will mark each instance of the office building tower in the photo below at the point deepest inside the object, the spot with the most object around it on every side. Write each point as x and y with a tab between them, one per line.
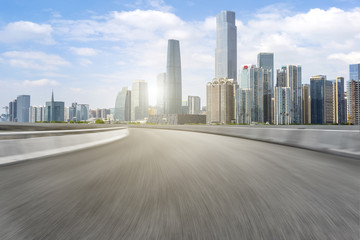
160	100
13	111
82	112
140	101
220	101
123	105
318	97
98	113
243	106
244	82
281	77
339	107
54	110
105	112
23	106
194	104
306	104
72	112
32	114
266	62
173	93
329	102
282	105
226	48
353	94
294	81
259	80
184	107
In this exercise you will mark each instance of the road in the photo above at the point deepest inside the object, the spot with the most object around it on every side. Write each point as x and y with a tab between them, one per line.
163	184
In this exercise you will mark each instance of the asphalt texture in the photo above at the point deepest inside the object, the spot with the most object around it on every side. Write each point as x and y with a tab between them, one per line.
163	184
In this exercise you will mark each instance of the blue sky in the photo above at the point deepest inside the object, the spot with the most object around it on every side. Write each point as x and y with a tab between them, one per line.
87	52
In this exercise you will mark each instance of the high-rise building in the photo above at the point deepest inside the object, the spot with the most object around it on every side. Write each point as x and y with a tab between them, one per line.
140	101
13	111
66	114
82	112
257	77
32	114
306	104
226	48
160	100
317	96
72	112
281	77
123	105
266	62
329	102
282	105
173	92
220	101
353	94
339	107
194	104
242	96
294	81
23	106
54	110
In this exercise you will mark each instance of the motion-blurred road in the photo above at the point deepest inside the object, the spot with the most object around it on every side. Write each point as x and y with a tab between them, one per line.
163	184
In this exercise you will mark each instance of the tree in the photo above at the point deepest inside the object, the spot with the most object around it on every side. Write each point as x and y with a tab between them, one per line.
99	121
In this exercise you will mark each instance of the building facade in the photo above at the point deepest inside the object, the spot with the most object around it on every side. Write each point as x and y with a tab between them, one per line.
353	94
23	106
54	110
282	105
226	46
306	104
339	106
194	104
294	81
173	85
140	101
13	111
122	110
220	101
317	96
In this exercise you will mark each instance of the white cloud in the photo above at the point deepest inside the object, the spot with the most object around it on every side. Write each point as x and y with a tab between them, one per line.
84	62
40	82
352	57
34	60
26	31
84	51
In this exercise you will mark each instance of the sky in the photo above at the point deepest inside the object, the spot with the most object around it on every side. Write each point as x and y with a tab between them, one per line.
87	51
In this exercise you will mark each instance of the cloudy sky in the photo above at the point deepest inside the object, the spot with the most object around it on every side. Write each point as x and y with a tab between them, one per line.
86	51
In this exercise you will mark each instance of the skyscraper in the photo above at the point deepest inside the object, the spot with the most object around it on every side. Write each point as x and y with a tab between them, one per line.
173	92
281	77
122	111
82	112
54	110
294	81
339	107
282	105
194	104
13	111
256	77
306	104
220	101
160	100
23	105
226	49
318	97
243	99
140	101
266	62
353	94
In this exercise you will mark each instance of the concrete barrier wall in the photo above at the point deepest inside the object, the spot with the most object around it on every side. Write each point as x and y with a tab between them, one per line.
340	140
13	150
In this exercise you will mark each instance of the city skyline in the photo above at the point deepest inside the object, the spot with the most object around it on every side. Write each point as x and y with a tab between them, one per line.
52	53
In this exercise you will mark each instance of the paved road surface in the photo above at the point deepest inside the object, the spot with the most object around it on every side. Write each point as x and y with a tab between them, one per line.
160	184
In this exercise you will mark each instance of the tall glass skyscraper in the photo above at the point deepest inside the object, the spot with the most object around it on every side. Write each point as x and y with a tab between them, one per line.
122	110
225	52
353	98
139	100
160	100
23	105
317	96
173	92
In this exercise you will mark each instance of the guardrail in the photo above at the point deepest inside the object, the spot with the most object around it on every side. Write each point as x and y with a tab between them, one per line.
20	146
335	141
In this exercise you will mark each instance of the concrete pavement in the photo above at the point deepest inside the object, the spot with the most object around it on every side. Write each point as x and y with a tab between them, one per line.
163	184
